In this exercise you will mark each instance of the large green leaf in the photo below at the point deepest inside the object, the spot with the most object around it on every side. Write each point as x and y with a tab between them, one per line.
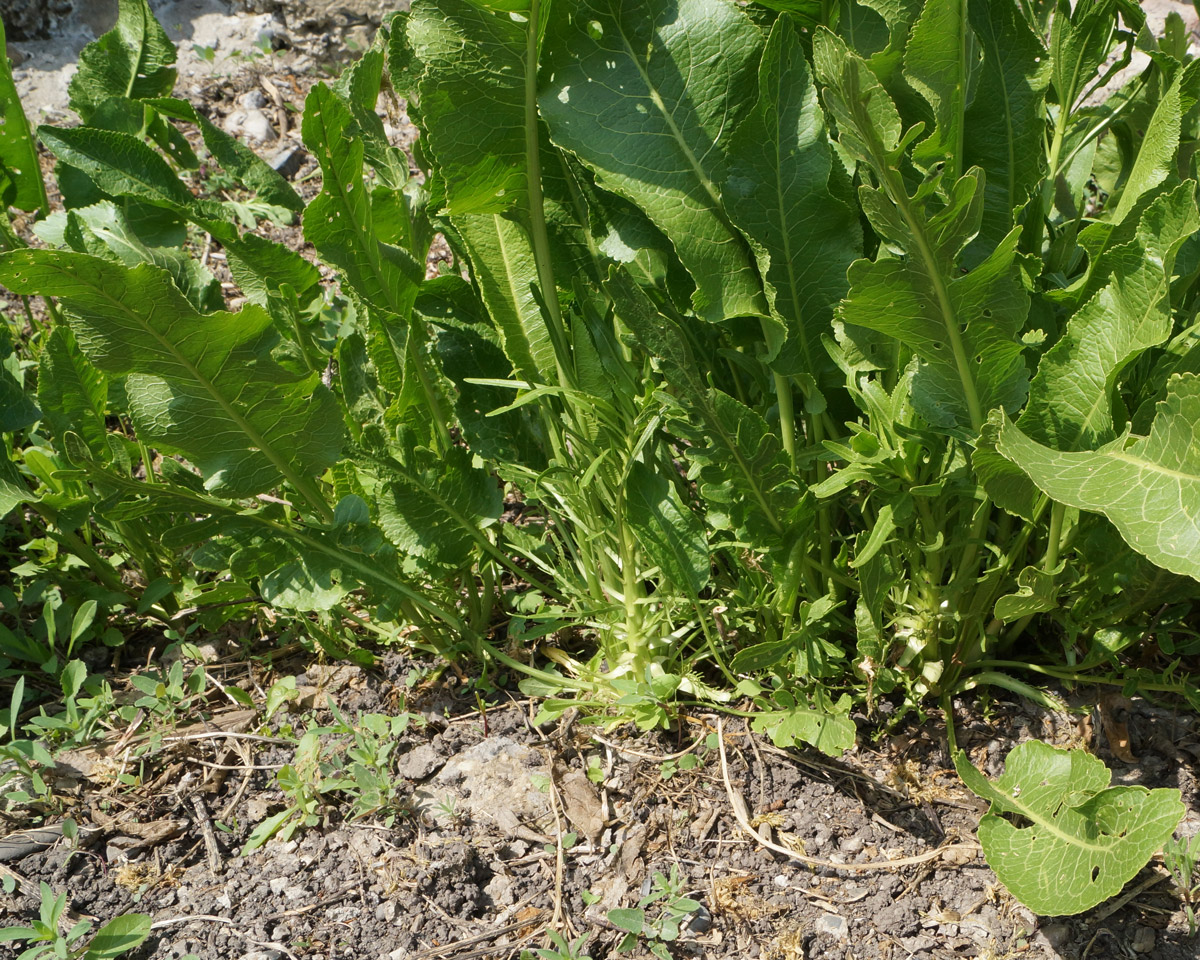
1149	487
929	310
123	165
261	268
202	385
1070	399
744	476
642	93
360	85
671	534
18	151
777	192
867	119
103	231
234	156
135	59
73	392
1005	125
472	97
339	222
962	327
941	63
1081	37
1081	840
1156	158
119	163
468	348
502	264
435	509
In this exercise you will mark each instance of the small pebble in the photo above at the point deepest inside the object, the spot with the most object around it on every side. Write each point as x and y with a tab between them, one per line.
287	162
700	921
852	845
1143	940
833	925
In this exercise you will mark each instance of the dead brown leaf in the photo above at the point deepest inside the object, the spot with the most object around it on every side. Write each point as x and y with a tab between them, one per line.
580	801
1112	706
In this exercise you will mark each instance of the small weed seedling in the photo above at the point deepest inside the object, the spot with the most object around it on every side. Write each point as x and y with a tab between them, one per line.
47	940
1179	857
22	760
674	908
305	783
167	694
560	949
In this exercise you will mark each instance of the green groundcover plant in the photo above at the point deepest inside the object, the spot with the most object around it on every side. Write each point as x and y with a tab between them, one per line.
827	351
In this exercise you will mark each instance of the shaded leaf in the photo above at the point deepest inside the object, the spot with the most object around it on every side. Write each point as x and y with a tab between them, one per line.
941	62
777	191
670	533
17	409
73	392
641	93
1005	124
472	97
339	221
435	509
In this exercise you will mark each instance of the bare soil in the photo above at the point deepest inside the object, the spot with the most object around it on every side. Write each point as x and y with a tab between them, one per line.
502	832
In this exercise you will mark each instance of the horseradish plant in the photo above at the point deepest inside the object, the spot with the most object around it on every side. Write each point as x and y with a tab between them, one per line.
820	352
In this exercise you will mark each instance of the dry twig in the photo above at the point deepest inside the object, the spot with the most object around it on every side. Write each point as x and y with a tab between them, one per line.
740	814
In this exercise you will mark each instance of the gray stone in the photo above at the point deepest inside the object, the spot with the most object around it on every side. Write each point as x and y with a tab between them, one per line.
832	925
492	782
700	921
500	889
420	762
251	125
288	161
33	19
852	845
1143	940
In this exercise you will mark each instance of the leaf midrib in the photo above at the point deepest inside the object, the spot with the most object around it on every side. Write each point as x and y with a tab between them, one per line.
260	441
366	238
676	134
786	233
